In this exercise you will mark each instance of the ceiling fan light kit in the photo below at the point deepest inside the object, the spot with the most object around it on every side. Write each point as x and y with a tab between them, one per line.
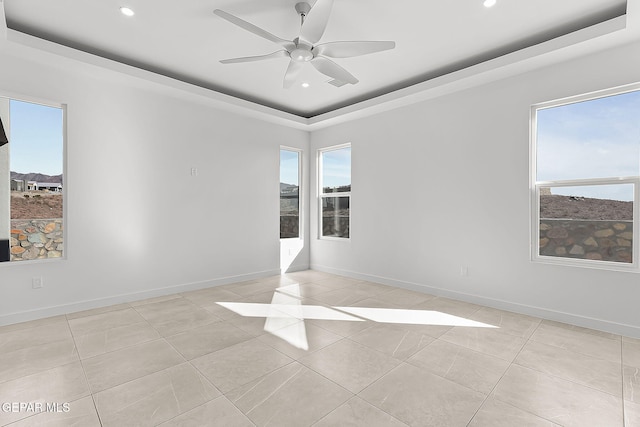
305	47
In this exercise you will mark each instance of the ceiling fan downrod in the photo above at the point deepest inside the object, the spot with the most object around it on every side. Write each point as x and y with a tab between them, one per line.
302	8
302	52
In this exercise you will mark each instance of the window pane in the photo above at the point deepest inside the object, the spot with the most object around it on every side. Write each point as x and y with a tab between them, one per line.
335	216
289	194
587	222
336	170
591	139
36	167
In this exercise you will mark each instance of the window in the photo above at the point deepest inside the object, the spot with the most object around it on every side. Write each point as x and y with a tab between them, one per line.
31	181
335	191
289	193
586	176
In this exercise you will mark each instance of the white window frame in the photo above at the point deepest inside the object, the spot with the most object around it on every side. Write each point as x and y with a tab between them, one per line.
322	195
535	186
65	199
300	191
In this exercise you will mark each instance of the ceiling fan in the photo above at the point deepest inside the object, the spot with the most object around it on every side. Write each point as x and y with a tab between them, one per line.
305	47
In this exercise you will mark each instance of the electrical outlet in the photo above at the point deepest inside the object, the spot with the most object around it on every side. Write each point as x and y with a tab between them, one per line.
464	271
194	171
37	282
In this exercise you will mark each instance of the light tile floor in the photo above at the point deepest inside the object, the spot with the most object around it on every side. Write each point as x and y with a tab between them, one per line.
310	348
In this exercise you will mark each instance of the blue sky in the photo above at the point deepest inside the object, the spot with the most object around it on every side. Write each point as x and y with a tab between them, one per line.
36	139
590	139
336	167
289	164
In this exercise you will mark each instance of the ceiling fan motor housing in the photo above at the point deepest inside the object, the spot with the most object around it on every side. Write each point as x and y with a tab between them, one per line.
302	52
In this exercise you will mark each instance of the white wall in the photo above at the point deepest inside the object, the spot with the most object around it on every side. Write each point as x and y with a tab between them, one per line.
138	224
445	183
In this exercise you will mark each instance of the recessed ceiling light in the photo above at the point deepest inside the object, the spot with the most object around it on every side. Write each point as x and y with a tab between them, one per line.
126	11
305	84
489	3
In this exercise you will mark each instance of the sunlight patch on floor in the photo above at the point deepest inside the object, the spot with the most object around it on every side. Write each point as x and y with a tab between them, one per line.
412	317
284	307
295	334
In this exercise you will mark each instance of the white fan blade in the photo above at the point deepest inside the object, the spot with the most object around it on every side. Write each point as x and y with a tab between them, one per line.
293	71
278	54
333	70
316	21
351	49
253	29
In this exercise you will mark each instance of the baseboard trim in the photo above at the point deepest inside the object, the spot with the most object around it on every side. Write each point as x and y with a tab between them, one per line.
41	313
559	316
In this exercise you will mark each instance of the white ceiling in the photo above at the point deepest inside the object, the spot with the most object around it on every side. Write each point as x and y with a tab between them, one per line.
185	40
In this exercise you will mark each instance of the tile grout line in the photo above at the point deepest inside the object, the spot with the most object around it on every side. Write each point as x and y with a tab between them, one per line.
201	374
86	379
303	366
567	379
352	394
575	351
190	362
127	325
356	396
491	393
160	337
404	361
28	347
374	382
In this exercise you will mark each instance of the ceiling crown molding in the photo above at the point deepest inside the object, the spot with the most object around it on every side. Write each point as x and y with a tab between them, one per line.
615	32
